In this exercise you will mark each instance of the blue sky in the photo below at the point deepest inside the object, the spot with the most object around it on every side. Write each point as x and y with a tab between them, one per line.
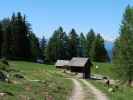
104	16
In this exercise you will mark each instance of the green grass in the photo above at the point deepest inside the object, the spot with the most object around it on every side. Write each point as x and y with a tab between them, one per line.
123	93
52	84
105	69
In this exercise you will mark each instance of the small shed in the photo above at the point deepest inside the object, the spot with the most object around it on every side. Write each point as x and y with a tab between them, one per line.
81	65
63	64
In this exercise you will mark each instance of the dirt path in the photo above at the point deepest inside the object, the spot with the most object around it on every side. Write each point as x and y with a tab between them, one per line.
78	93
97	93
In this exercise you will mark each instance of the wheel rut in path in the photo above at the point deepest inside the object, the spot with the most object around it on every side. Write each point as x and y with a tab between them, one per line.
97	93
77	93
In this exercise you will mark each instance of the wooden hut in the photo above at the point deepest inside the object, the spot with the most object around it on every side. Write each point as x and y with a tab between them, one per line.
81	65
63	64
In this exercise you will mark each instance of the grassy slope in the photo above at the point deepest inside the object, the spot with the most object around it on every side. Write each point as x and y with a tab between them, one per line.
106	69
53	84
123	93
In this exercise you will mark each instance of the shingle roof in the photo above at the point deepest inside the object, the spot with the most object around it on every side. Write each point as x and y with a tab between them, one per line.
62	62
78	62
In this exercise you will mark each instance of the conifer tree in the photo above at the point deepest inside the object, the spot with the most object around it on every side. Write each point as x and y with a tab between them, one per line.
35	48
82	42
73	44
89	41
20	31
57	47
7	47
123	50
43	47
1	38
98	51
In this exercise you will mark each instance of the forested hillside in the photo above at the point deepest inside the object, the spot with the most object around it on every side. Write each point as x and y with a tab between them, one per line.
19	42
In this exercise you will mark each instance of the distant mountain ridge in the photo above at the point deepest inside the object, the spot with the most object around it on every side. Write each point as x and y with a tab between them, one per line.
109	47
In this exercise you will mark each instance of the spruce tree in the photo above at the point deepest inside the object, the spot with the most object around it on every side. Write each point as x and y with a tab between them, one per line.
43	47
20	32
89	42
57	47
7	47
123	50
98	52
7	37
1	38
73	44
35	48
82	41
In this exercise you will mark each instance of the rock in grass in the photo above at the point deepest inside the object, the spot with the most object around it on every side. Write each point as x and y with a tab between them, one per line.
2	94
12	82
6	93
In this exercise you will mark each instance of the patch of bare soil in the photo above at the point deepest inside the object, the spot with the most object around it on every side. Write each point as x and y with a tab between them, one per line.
77	93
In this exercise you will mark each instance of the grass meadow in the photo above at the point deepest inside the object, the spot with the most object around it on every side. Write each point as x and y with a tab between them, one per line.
107	69
42	82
